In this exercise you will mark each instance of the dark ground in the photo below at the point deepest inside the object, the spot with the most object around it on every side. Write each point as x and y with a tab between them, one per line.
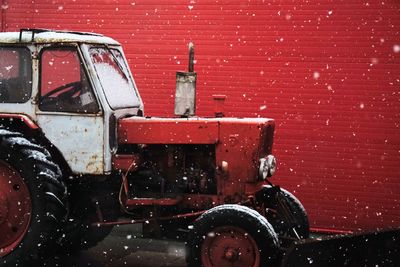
124	247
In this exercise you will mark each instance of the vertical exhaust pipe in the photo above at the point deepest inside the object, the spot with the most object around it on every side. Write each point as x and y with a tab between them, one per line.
185	93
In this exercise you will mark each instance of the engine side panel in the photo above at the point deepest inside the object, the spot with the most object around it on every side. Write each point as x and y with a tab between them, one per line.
139	130
241	146
207	156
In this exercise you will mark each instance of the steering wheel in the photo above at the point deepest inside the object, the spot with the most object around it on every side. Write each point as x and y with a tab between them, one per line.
74	87
66	91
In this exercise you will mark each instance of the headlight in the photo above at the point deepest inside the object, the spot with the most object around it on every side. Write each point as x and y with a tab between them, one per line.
267	167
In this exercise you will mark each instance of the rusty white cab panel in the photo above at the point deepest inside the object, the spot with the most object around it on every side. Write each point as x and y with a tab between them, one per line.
75	87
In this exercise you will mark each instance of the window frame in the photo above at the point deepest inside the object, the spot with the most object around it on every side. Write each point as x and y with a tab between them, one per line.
83	65
129	75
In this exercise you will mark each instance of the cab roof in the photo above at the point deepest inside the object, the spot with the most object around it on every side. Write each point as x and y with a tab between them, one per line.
52	36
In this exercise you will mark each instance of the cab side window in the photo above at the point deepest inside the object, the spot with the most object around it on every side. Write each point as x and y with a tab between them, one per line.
15	75
64	86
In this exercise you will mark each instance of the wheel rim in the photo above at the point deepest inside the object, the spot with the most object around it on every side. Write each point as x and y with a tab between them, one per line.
229	246
15	208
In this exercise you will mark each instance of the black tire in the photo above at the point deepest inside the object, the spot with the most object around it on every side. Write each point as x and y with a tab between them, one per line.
82	235
282	224
47	193
85	201
236	216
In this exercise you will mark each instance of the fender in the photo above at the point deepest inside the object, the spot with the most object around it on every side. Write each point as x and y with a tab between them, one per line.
267	192
24	119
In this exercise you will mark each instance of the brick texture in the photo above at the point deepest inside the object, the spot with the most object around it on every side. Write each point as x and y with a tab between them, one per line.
328	71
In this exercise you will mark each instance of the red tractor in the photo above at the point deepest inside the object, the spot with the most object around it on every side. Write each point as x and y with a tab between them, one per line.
78	156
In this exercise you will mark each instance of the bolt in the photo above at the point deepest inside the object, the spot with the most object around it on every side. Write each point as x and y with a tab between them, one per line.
231	254
3	207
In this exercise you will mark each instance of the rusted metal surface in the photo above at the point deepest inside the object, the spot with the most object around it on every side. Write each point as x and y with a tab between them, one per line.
185	95
79	138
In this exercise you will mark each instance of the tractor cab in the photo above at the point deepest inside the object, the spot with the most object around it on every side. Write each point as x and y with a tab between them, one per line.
73	85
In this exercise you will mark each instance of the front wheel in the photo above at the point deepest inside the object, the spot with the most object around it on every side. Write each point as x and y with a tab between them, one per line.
232	236
285	213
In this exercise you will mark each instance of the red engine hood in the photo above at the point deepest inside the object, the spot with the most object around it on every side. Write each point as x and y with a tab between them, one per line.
139	130
239	143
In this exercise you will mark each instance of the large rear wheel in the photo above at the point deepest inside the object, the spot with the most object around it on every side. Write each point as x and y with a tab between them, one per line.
32	200
232	236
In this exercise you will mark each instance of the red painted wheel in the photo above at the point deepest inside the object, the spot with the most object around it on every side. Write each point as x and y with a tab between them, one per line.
15	208
32	197
229	247
232	236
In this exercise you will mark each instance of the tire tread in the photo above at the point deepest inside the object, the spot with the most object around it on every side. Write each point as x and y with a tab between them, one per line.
44	178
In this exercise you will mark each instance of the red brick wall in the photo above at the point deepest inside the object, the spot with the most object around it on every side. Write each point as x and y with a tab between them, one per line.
328	71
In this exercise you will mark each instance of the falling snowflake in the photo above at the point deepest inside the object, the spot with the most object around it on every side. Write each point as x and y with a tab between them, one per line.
396	48
374	61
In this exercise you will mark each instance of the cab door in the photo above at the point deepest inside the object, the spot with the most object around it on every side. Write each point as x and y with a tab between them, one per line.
68	111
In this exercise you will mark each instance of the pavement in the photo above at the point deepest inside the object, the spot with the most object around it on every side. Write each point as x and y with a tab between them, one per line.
125	247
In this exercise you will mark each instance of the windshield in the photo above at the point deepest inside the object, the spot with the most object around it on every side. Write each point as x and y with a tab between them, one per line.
114	77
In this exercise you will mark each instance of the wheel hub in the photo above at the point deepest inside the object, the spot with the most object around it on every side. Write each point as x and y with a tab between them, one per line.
15	208
229	247
231	254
